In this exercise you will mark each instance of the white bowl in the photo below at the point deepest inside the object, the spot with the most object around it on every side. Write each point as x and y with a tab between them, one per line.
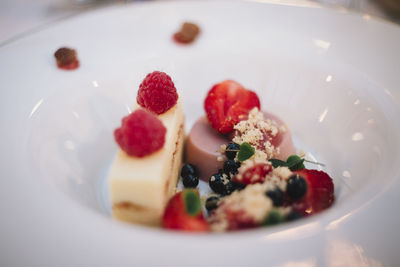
331	76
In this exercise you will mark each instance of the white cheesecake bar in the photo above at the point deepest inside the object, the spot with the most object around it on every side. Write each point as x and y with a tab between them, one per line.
141	187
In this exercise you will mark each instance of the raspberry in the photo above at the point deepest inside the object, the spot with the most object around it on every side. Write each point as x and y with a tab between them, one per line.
157	92
141	133
253	174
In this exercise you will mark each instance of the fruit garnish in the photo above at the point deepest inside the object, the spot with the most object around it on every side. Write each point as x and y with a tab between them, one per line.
227	103
231	150
190	181
320	192
140	134
157	92
230	167
189	169
183	212
220	183
253	174
187	33
190	175
277	196
212	203
66	58
296	187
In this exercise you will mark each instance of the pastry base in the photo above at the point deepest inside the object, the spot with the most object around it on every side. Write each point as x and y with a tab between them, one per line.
131	212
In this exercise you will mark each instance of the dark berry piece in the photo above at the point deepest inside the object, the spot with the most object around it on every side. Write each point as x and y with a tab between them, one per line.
238	186
230	167
276	196
189	169
231	150
296	187
212	203
217	184
190	180
293	215
238	164
229	188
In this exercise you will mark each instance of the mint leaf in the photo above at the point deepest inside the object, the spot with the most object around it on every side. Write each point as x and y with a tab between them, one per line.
274	217
192	201
295	163
278	163
245	151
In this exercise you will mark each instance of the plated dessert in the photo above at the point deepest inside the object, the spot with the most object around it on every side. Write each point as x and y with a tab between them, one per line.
246	156
144	173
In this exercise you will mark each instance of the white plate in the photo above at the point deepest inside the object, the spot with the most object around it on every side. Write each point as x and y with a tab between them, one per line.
332	76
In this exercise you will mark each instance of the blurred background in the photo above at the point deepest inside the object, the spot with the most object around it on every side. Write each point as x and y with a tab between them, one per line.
18	17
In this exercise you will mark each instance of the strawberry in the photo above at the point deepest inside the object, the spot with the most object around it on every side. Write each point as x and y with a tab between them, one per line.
320	192
253	174
184	212
227	103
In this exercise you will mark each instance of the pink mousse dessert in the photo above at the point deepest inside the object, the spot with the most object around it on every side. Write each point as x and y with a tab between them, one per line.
209	136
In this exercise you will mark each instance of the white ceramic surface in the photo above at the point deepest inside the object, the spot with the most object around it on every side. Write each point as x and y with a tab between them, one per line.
333	77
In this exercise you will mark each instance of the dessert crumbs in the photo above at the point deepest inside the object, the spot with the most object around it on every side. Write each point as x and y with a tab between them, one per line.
258	132
187	33
66	58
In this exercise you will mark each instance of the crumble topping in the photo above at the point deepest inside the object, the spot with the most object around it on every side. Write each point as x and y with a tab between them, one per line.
277	178
250	205
225	178
258	132
222	149
220	158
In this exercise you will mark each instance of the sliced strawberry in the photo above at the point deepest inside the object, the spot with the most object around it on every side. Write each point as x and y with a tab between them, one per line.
253	174
184	212
320	192
226	103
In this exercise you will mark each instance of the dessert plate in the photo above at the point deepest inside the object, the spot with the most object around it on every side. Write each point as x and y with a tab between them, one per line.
332	76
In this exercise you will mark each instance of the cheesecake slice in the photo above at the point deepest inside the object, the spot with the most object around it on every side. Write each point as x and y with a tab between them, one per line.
141	187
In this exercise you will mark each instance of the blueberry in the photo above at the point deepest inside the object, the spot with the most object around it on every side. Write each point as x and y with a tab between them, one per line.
276	196
230	167
238	186
216	183
293	215
212	203
231	150
238	164
229	188
189	169
190	180
221	184
296	187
